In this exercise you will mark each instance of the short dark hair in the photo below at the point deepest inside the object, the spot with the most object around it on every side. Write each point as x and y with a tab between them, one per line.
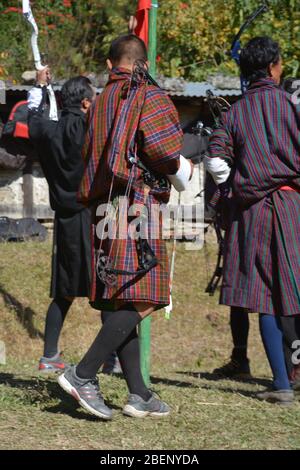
75	90
257	56
129	47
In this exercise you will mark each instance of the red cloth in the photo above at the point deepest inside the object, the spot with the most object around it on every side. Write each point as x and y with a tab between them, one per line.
289	188
142	16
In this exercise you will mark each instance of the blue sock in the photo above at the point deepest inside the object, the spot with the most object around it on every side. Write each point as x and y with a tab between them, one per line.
271	335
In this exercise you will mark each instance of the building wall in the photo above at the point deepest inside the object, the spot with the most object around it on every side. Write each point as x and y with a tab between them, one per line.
11	193
25	193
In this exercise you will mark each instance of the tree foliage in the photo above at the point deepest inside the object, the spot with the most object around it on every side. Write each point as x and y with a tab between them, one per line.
73	35
194	36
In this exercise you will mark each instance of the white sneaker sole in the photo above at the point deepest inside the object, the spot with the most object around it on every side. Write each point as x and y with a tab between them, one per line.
129	410
51	371
67	387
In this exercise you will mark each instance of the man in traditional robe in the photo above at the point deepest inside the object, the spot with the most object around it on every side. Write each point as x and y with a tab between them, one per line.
132	149
256	155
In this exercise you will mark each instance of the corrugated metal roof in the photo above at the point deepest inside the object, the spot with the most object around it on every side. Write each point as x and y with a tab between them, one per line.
199	89
189	90
17	88
26	88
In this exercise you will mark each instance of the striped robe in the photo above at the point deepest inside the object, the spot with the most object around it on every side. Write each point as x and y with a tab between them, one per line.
121	124
262	249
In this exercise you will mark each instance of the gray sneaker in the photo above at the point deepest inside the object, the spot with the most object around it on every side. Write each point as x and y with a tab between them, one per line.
52	364
282	397
295	379
86	392
136	407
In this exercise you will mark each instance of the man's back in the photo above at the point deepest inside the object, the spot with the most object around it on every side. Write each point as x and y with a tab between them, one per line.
262	132
59	147
125	121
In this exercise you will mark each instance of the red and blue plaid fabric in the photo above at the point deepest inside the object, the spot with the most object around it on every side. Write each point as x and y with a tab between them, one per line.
130	119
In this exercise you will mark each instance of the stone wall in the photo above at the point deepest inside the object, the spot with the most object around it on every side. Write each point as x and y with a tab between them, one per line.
41	203
11	193
24	193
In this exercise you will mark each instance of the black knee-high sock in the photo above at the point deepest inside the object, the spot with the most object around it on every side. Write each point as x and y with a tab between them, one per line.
239	323
129	356
105	314
113	333
56	315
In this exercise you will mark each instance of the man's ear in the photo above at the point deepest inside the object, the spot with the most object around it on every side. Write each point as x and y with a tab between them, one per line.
109	64
270	70
276	71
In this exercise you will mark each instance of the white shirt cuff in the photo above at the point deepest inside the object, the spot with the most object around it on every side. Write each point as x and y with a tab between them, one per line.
181	179
218	168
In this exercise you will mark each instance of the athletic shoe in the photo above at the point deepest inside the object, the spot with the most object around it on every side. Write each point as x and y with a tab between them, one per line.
295	379
136	407
86	392
282	397
52	364
235	370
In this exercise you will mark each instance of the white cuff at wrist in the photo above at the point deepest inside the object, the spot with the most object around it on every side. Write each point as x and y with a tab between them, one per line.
181	179
218	168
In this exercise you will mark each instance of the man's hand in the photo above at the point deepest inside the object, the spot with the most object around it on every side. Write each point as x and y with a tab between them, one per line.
43	77
132	24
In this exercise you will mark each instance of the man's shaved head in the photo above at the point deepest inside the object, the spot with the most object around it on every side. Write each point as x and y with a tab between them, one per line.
127	48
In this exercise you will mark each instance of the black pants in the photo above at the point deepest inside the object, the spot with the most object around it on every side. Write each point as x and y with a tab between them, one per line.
239	323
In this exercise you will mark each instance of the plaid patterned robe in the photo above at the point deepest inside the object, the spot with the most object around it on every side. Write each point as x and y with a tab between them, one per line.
130	118
261	133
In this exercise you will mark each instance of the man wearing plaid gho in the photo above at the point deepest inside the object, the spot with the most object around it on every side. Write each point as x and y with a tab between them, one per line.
132	150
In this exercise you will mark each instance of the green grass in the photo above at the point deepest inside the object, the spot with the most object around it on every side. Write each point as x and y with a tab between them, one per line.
207	413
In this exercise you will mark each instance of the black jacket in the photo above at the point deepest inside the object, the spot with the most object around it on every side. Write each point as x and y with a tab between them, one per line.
59	146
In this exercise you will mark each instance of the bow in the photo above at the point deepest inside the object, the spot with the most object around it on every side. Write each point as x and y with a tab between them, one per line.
217	105
105	266
27	13
236	43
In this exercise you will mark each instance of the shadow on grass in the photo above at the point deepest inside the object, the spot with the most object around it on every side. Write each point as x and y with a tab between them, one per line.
172	383
216	378
211	377
61	408
44	391
25	315
234	391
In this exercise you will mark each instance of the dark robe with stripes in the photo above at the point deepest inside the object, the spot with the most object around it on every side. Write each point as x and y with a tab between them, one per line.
261	133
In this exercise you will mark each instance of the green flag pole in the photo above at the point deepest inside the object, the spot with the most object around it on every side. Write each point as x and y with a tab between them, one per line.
145	327
153	37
